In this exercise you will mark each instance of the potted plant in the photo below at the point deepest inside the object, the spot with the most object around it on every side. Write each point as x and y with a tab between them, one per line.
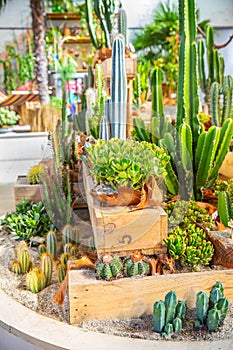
7	119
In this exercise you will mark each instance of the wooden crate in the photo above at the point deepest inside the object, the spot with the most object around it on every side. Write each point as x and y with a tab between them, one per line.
119	230
92	299
22	189
130	66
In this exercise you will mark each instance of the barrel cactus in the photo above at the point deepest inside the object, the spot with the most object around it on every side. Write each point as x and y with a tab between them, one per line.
109	267
135	265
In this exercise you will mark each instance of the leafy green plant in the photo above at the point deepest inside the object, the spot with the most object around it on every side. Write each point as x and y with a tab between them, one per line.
125	162
8	117
28	220
211	310
190	246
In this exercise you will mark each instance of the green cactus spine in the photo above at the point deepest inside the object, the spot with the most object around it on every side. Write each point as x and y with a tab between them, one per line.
210	52
201	66
137	91
25	260
47	267
224	207
16	267
159	316
227	88
118	89
170	304
41	249
60	272
202	305
213	319
51	243
122	24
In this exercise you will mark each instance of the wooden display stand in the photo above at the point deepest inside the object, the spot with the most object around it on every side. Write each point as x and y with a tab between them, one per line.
122	231
92	299
22	189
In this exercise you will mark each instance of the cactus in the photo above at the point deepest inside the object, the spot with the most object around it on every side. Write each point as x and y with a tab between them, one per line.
224	208
156	82
135	265
24	260
74	251
118	89
202	305
211	311
64	258
51	243
34	174
35	280
169	314
159	316
170	305
47	267
41	249
122	24
137	91
67	247
70	234
60	272
20	247
16	267
108	267
215	103
227	88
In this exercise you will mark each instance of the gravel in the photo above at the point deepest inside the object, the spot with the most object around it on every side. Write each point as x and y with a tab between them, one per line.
141	327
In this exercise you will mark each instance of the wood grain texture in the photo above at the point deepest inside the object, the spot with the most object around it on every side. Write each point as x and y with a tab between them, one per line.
92	299
122	231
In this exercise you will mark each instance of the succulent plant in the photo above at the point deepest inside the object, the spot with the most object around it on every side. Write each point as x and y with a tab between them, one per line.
64	258
190	246
7	117
108	267
135	265
60	272
169	314
224	208
67	247
47	267
125	162
25	260
16	267
41	249
70	234
211	311
51	243
35	280
34	174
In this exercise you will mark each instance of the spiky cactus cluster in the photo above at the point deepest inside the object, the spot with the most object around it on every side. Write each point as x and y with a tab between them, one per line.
23	263
135	265
35	280
109	267
211	310
169	314
190	246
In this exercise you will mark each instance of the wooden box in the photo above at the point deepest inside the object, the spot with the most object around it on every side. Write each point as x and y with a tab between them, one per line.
122	231
92	299
23	189
130	66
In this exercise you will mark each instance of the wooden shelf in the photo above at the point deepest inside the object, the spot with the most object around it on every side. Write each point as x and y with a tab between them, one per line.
76	40
61	15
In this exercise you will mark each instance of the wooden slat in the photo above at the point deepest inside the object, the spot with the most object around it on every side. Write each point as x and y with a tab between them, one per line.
92	299
22	189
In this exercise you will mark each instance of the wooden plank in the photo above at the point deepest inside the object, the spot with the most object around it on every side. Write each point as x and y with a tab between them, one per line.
92	299
122	231
22	189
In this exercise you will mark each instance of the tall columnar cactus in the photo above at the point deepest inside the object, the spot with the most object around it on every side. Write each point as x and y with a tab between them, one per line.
118	89
169	314
224	208
60	272
211	311
47	267
137	91
122	24
156	84
25	260
51	243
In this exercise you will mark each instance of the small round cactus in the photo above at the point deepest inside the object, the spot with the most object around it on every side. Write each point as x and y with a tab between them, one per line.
60	272
35	280
135	265
41	249
34	174
109	267
16	267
